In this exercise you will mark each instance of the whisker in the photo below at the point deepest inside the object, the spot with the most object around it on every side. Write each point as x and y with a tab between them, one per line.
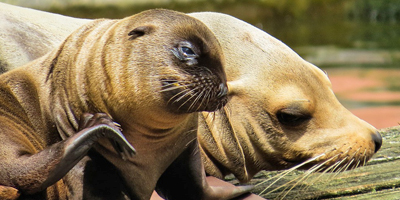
358	161
163	75
203	97
357	165
207	97
174	88
351	160
303	177
199	96
365	157
184	92
284	185
177	83
334	167
348	165
322	173
337	171
298	180
189	99
284	173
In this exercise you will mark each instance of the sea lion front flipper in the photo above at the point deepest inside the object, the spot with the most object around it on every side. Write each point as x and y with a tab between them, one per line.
185	179
32	173
92	128
117	139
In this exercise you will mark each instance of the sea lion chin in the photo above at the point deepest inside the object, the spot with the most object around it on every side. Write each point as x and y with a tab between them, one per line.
124	88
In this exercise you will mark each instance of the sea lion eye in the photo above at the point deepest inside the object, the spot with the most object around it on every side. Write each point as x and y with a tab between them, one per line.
291	118
188	51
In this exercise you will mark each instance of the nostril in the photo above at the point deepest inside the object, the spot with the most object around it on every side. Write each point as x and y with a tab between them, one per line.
378	140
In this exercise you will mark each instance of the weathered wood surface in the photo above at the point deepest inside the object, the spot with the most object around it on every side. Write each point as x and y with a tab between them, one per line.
379	179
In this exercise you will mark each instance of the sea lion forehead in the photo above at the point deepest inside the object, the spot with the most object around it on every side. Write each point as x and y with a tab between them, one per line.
167	18
178	26
159	15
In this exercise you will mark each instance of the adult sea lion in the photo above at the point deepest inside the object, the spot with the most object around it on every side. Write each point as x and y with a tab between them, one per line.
266	76
282	111
148	73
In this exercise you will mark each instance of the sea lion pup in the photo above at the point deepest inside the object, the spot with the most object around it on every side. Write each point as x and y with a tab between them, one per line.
148	72
282	111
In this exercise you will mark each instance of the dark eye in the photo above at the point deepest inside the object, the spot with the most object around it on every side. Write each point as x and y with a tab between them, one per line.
187	51
292	118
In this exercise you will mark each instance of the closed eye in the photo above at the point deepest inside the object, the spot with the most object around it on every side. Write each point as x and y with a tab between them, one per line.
292	118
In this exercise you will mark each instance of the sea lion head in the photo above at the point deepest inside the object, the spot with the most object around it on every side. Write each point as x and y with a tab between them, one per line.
185	60
155	64
282	111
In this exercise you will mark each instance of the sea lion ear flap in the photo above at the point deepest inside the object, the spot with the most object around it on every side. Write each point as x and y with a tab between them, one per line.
140	31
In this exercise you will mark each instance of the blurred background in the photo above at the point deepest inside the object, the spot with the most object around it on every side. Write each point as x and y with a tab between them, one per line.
356	41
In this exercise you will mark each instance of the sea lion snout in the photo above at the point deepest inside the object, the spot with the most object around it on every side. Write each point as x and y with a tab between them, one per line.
202	84
203	92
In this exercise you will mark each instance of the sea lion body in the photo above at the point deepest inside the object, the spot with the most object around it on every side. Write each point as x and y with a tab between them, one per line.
149	73
26	34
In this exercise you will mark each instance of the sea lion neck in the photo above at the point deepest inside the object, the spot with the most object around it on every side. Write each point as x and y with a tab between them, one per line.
153	123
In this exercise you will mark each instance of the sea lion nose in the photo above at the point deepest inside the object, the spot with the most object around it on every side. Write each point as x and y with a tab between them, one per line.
378	140
222	90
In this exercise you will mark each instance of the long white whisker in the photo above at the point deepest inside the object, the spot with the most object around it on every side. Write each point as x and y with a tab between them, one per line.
183	93
204	93
286	172
186	93
284	185
298	180
322	173
174	87
177	84
199	96
191	92
207	97
365	157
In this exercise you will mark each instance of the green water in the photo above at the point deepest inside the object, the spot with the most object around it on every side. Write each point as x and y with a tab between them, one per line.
297	23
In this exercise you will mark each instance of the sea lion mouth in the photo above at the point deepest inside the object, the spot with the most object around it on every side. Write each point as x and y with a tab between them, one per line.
198	94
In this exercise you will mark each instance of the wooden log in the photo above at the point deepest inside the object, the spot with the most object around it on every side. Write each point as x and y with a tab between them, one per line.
379	179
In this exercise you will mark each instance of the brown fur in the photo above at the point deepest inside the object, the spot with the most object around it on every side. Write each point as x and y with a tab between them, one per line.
127	69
